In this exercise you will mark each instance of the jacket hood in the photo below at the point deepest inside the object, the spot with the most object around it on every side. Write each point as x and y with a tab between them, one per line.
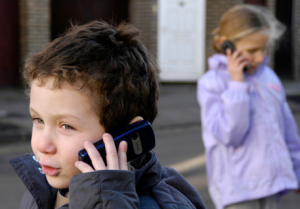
217	62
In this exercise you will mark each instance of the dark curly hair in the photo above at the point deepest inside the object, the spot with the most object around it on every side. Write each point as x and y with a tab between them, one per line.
110	61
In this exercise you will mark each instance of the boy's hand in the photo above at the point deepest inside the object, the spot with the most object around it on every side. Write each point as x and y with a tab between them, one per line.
236	64
115	160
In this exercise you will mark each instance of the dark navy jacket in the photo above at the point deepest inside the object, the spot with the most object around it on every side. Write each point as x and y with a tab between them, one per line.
151	186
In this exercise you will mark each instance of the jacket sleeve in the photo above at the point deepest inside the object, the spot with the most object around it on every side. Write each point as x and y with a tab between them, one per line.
227	114
292	137
103	189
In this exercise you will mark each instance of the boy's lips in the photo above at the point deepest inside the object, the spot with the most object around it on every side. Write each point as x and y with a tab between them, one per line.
50	171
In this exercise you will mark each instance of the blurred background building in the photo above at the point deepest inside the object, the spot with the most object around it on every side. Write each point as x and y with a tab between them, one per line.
177	32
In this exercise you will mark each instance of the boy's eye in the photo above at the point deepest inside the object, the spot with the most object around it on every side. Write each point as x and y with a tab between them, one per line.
38	120
68	127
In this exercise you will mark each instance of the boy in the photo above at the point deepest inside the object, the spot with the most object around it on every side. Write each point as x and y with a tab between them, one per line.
89	82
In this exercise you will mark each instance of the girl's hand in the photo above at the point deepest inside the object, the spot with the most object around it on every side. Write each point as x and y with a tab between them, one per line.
236	64
115	160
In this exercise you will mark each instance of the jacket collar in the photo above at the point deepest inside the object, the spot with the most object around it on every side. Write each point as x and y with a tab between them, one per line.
150	176
147	171
30	172
147	174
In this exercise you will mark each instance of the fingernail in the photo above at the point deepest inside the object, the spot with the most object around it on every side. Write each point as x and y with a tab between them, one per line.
87	142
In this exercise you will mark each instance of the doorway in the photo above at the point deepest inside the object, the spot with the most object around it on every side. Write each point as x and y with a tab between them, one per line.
9	43
283	54
283	60
181	40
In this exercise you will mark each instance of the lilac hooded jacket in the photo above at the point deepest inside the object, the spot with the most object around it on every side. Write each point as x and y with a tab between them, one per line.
250	135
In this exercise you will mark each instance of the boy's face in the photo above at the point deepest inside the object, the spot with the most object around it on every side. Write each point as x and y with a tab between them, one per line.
63	119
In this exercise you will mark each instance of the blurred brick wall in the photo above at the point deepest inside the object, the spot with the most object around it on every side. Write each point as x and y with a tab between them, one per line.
214	11
143	14
34	25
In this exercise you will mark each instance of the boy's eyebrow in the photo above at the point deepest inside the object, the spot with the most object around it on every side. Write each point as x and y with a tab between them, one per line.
59	116
31	110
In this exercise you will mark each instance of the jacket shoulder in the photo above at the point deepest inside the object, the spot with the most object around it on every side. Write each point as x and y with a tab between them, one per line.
213	81
174	191
271	75
163	187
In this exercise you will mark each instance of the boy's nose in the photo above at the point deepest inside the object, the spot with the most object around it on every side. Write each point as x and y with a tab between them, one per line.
45	143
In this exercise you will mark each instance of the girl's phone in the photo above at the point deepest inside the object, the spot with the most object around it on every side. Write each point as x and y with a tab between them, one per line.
139	137
230	45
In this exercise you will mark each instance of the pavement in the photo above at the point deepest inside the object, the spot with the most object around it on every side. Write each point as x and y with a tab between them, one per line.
179	116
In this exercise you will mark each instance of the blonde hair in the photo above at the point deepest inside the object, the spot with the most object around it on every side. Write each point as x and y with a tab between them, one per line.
242	20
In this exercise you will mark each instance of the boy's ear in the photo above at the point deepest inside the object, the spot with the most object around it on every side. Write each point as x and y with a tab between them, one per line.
136	119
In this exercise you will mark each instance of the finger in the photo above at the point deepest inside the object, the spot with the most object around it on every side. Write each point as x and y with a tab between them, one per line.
111	152
228	52
136	119
123	156
233	58
94	155
241	60
242	65
83	167
236	54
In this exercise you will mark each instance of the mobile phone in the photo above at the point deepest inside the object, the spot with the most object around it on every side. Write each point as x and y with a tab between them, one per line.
230	45
139	136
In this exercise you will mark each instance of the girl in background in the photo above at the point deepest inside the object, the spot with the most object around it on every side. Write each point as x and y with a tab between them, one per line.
250	136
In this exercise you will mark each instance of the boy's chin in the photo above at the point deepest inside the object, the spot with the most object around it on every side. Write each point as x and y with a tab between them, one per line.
58	183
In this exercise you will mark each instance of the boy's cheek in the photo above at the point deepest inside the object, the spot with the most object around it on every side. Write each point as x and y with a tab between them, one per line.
33	144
